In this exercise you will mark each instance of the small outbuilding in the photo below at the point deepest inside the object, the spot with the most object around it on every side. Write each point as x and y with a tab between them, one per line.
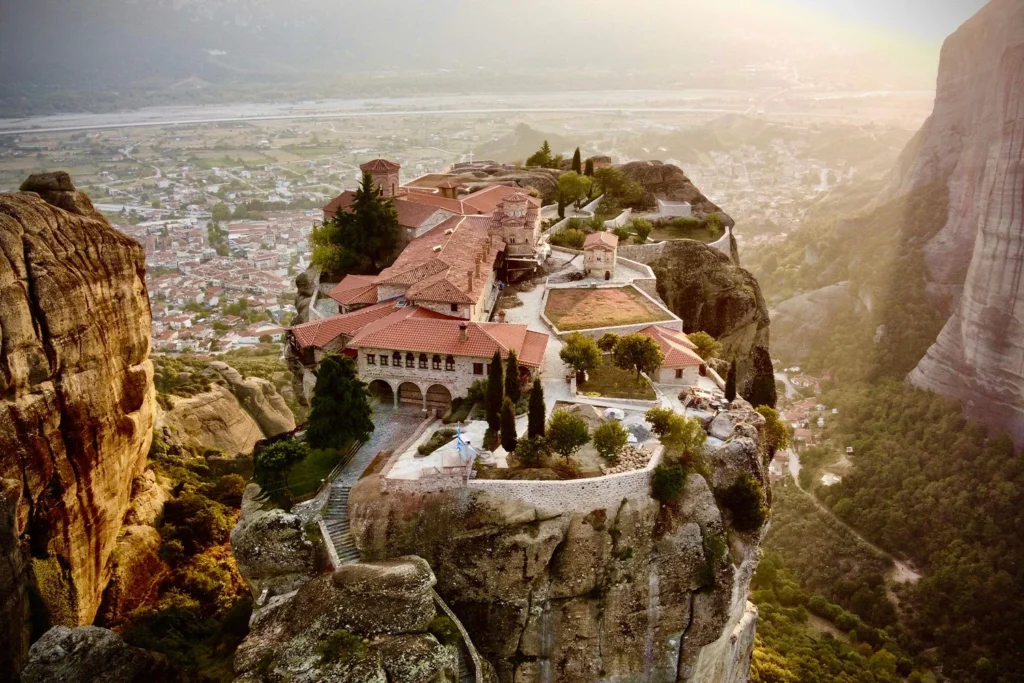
600	251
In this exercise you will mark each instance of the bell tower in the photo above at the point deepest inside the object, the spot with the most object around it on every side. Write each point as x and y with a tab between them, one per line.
385	176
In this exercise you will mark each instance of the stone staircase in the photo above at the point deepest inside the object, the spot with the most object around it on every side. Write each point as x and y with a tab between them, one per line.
337	522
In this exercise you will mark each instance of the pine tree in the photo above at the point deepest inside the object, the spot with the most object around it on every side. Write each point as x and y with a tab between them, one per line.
545	149
340	410
508	425
495	392
730	382
577	163
535	421
513	389
588	169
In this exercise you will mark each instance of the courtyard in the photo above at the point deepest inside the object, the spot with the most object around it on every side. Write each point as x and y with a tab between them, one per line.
582	308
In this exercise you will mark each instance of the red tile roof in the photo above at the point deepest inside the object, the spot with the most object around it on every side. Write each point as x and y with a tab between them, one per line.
488	199
412	213
601	240
679	351
422	335
379	165
319	333
355	289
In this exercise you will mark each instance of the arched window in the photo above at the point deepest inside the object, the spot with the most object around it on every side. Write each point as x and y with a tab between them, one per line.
449	363
396	359
436	363
423	361
410	360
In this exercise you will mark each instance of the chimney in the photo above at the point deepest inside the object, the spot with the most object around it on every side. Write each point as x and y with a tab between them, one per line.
463	336
478	266
501	316
469	274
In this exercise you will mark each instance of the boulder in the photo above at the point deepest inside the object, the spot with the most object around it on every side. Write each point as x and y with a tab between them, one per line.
259	398
89	654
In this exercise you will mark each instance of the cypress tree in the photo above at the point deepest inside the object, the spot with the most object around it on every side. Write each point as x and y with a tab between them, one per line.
577	163
340	410
512	387
730	382
588	169
495	392
535	424
508	425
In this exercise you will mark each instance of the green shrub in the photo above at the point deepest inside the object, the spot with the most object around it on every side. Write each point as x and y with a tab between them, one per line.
610	437
341	646
530	451
667	482
566	433
607	341
442	628
570	238
196	522
436	440
745	502
459	412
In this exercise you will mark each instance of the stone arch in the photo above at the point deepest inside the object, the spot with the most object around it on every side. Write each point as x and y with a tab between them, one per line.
438	396
410	393
382	391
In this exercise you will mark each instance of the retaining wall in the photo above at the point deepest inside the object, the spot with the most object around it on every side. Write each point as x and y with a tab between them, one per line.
576	495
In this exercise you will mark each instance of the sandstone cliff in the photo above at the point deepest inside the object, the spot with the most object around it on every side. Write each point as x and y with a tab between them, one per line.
974	143
76	399
669	182
709	292
231	417
638	591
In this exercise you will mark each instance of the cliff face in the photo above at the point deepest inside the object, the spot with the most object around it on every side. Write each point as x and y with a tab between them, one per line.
709	292
669	182
76	398
974	141
636	592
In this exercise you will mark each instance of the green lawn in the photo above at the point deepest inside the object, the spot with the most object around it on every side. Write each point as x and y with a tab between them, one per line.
613	382
305	477
587	308
699	233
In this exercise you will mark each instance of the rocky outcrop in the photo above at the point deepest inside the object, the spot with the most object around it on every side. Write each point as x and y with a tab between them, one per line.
212	419
669	182
363	623
15	578
635	592
974	143
709	292
89	654
76	390
270	547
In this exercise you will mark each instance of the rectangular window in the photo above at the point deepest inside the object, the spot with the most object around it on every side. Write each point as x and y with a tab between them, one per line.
478	368
436	363
449	363
383	359
455	308
371	359
679	373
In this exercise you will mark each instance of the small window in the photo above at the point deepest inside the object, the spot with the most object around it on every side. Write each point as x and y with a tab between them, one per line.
679	373
455	308
397	359
371	359
478	368
410	360
423	361
383	359
436	363
449	363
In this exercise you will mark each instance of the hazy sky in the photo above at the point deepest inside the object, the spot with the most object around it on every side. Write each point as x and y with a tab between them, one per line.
929	19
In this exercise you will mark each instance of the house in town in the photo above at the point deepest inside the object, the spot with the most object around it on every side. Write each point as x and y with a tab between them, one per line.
600	251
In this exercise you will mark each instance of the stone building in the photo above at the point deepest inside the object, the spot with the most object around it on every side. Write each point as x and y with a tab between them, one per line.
682	365
600	251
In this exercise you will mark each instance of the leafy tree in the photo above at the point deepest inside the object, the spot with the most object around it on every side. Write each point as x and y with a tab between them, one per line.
642	227
573	188
271	465
660	419
619	188
340	410
776	431
580	353
567	433
610	437
707	346
577	165
667	482
684	436
542	157
220	212
621	233
570	238
588	169
535	420
508	425
513	388
730	382
608	341
638	352
495	393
